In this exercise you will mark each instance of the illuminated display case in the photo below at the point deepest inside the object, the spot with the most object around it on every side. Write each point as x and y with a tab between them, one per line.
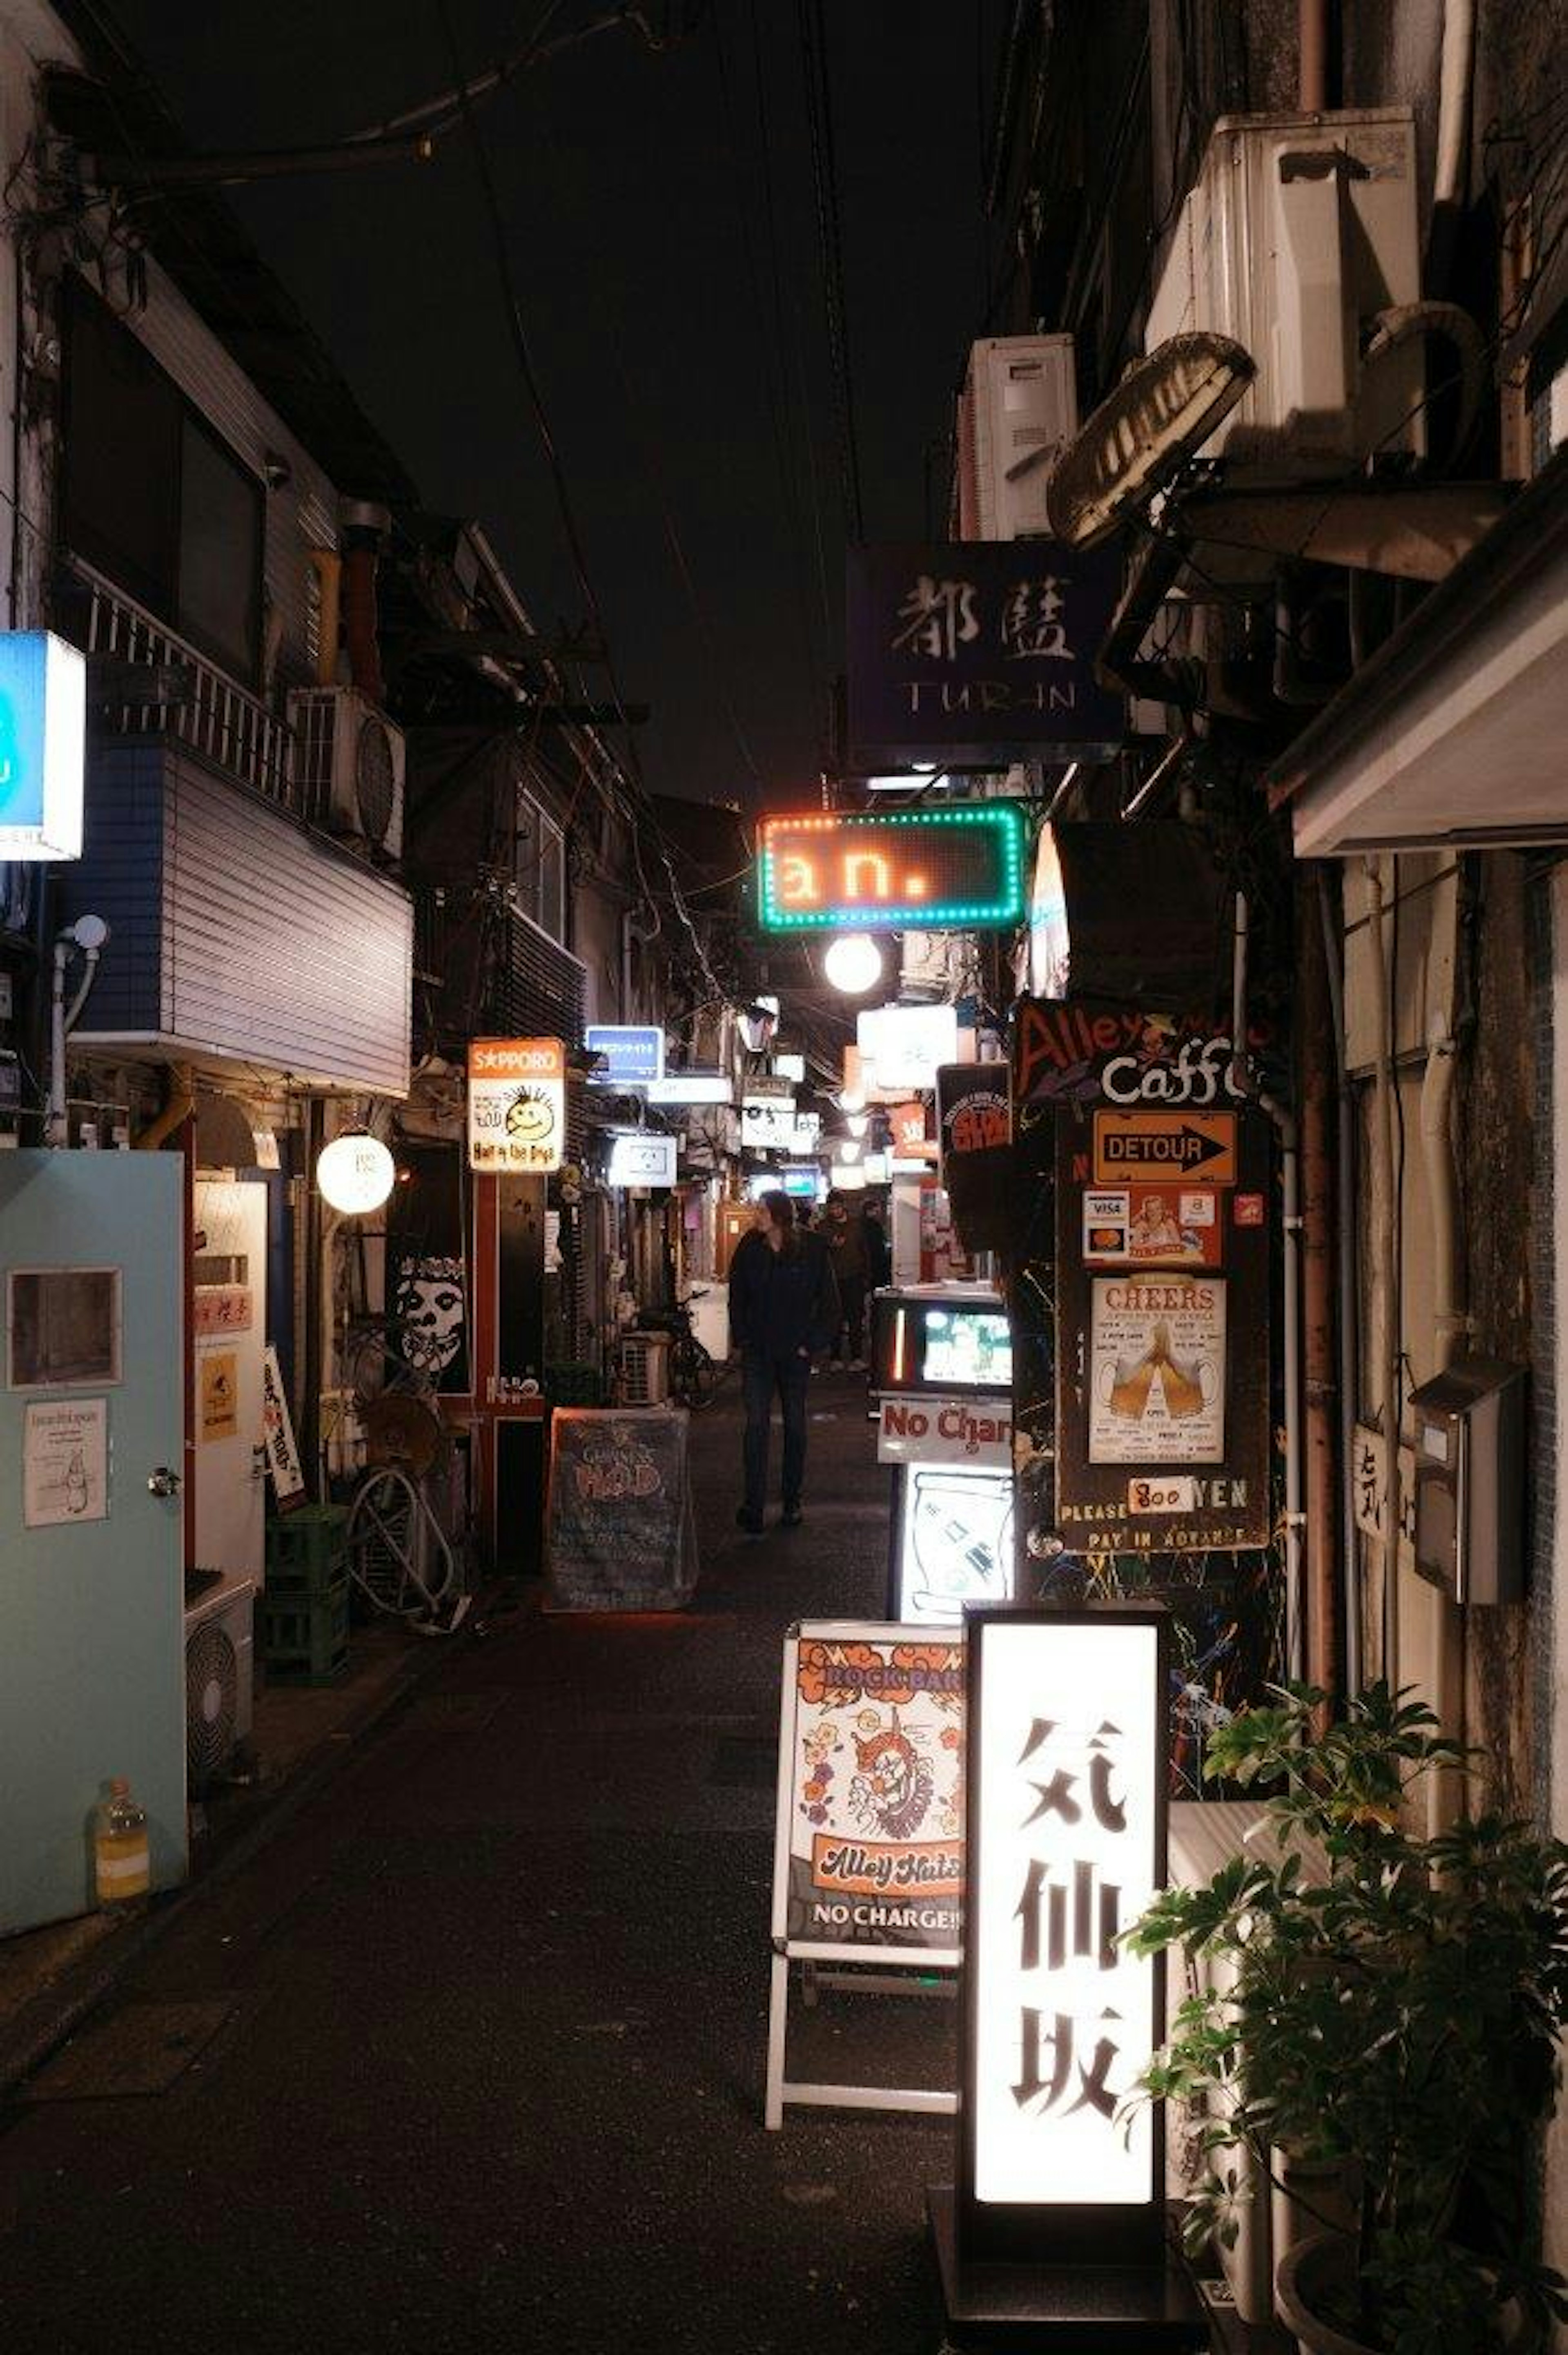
943	1338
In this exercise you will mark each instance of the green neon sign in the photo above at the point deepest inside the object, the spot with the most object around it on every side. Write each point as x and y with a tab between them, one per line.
908	870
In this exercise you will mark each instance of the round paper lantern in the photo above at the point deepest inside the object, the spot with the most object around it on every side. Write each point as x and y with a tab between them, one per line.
355	1174
853	964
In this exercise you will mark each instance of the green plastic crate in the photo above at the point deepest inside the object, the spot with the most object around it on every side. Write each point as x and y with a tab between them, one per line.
307	1552
305	1639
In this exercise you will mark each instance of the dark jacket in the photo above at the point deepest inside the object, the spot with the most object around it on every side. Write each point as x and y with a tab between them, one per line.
782	1302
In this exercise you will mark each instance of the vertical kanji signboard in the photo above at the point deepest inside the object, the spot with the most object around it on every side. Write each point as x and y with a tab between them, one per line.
1066	1844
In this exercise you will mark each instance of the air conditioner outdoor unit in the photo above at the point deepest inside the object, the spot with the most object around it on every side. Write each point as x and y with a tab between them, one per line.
1299	233
1018	410
348	765
219	1666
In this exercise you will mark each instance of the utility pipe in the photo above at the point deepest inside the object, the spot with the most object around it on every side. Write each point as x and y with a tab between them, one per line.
1386	1338
327	566
88	935
1348	1320
178	1105
1317	1305
1445	1794
1312	26
1284	1126
1454	101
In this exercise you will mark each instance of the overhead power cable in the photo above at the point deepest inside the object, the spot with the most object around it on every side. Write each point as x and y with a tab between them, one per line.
824	178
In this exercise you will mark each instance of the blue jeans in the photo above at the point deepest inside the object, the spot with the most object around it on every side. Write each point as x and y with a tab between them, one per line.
760	1377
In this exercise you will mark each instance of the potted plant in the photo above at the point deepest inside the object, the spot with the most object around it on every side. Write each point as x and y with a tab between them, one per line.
1393	2006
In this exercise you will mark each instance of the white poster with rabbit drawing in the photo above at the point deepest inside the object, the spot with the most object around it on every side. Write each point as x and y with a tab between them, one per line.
65	1463
870	1835
1157	1369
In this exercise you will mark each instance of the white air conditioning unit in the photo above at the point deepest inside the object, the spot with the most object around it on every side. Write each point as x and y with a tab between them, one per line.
1018	410
348	765
1299	232
219	1669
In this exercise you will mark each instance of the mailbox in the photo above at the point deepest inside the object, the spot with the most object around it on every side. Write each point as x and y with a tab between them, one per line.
1470	1480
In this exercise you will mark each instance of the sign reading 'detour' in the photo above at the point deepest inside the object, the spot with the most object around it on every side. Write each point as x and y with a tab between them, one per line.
910	870
979	653
43	745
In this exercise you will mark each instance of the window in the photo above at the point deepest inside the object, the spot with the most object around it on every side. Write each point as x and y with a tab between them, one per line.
540	868
153	498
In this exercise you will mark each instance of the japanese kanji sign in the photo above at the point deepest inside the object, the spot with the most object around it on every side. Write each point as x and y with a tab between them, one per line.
979	652
1066	1846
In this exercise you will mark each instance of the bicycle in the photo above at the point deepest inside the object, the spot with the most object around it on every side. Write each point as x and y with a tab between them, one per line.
695	1375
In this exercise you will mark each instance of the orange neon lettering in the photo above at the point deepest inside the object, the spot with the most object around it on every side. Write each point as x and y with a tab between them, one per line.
797	880
854	860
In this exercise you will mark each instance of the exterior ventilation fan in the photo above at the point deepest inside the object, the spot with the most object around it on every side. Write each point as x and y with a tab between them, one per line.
219	1662
348	766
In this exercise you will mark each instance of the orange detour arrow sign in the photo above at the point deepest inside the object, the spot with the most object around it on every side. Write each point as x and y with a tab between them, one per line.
1138	1148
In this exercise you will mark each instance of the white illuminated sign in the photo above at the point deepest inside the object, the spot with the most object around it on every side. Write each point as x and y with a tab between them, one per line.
1066	1765
355	1174
790	1067
517	1105
691	1088
955	1537
770	1124
903	1045
925	1430
43	745
642	1160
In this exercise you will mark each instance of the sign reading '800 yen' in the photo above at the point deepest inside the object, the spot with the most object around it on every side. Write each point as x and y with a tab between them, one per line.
910	871
517	1105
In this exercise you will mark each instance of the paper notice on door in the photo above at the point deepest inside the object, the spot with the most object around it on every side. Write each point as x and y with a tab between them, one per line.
220	1372
1157	1369
65	1463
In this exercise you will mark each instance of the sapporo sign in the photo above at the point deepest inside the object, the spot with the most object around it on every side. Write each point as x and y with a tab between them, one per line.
1066	1838
869	1847
907	870
979	652
517	1105
1162	1363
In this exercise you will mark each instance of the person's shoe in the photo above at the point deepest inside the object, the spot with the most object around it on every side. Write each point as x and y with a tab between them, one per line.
752	1523
790	1518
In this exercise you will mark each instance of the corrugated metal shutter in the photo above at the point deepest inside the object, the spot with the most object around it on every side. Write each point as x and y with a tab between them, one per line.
237	933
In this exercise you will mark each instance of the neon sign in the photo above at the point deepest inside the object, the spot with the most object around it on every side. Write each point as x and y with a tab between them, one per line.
902	871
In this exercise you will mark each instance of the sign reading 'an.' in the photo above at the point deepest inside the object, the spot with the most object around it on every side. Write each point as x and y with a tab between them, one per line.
910	871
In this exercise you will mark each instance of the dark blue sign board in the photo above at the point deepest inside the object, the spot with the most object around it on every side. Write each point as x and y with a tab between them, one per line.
632	1056
977	652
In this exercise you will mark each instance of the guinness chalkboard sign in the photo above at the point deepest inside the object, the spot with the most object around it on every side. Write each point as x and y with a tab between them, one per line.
620	1535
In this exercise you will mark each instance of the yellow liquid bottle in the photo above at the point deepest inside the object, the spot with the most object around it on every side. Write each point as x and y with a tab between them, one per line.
122	1859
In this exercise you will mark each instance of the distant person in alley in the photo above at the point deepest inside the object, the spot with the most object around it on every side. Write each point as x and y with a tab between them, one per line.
846	1241
783	1311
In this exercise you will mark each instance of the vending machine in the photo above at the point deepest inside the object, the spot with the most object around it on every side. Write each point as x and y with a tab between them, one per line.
941	1380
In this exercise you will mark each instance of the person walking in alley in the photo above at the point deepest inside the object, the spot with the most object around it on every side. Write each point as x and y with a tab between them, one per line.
783	1311
846	1242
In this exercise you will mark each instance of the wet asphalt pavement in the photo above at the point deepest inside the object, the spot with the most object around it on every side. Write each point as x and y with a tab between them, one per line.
484	2024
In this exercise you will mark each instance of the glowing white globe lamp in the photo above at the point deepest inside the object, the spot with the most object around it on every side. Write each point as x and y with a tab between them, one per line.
356	1173
853	964
857	1122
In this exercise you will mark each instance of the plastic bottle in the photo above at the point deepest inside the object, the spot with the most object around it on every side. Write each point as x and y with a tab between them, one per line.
120	1855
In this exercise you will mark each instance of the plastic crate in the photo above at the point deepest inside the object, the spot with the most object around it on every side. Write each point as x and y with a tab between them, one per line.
574	1385
305	1639
307	1553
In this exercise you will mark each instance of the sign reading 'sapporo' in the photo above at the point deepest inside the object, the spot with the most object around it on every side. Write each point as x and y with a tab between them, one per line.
517	1105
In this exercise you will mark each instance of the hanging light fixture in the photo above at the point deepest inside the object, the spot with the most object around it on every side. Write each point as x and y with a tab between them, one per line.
853	964
356	1173
857	1122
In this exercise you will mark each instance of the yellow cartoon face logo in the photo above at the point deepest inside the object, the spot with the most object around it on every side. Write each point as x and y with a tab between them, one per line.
530	1117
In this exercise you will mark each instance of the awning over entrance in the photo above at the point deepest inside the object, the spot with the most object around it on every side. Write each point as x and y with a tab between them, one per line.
1455	733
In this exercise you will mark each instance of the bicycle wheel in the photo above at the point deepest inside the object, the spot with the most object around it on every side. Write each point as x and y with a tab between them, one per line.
697	1375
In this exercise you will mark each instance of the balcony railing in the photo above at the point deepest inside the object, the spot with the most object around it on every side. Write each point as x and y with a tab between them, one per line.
188	696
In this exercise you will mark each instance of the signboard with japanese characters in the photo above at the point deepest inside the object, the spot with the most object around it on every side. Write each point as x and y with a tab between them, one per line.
1164	1428
868	1855
632	1055
1065	1848
517	1105
980	653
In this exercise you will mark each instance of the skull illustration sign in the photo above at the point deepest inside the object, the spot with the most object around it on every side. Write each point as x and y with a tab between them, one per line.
429	1307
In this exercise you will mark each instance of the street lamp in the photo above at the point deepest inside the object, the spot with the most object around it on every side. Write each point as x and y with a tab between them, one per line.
853	964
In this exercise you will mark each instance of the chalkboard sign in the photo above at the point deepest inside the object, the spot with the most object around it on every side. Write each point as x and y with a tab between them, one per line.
620	1531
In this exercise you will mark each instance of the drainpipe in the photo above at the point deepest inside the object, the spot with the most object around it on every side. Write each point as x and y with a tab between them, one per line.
88	935
1317	1316
648	929
365	531
1348	1305
1284	1126
1386	1338
327	566
1444	1797
1312	24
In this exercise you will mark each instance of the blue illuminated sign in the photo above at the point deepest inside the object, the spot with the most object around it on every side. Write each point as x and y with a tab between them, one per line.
634	1056
43	745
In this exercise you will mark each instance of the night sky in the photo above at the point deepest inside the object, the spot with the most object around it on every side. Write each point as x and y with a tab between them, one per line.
681	393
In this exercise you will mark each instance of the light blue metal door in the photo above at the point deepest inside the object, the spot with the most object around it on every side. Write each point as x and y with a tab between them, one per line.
91	1543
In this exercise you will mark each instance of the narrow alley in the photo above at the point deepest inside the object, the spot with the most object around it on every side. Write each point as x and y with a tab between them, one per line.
497	2007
